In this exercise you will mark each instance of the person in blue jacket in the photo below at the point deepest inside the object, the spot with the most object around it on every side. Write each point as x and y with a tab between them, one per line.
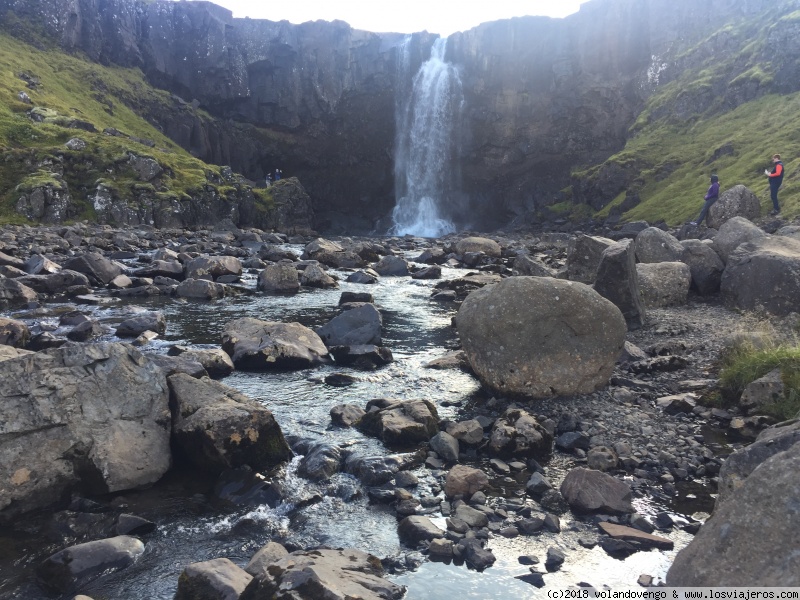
711	196
775	181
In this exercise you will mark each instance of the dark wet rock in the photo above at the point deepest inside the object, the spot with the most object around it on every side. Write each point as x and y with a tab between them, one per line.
139	323
617	280
400	423
705	265
573	440
320	460
215	361
60	433
538	485
133	525
171	365
256	345
440	548
377	470
432	272
526	342
244	487
161	268
359	326
281	277
465	481
216	579
451	360
472	551
270	553
446	446
588	491
519	434
551	521
584	257
555	558
471	516
340	380
463	286
617	548
219	428
534	579
347	415
72	567
365	356
324	573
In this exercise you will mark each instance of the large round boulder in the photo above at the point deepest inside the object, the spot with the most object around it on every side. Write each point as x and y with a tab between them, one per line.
478	244
654	246
664	283
738	201
280	277
540	337
733	233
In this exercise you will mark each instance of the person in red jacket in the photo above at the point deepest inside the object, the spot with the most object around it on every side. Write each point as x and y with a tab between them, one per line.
775	181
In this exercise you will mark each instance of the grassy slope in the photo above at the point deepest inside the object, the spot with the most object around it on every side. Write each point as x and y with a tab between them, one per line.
756	130
80	89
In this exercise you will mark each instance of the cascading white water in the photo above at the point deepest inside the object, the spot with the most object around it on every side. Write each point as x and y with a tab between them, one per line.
426	175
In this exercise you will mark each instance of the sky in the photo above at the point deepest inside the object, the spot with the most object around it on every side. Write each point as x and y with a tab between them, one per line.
436	16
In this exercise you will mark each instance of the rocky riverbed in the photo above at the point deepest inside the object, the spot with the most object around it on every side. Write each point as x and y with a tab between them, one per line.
398	443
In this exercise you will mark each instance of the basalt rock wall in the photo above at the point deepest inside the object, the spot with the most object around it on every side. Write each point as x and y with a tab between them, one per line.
318	99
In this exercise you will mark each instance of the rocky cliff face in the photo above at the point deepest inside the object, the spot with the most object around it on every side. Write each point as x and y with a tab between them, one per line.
318	99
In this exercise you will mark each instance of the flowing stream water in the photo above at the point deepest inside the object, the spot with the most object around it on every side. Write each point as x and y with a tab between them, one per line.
193	527
427	178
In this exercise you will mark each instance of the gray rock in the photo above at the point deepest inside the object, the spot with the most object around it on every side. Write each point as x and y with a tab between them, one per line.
526	265
55	283
664	283
141	322
218	427
316	277
400	423
656	246
762	392
475	555
347	415
14	333
377	470
584	256
540	337
215	361
446	446
216	579
478	244
555	558
361	356
764	274
617	280
466	432
279	278
517	433
465	481
200	289
602	458
256	345
471	516
415	529
391	265
733	233
271	553
588	491
58	432
75	566
737	201
359	326
733	548
38	264
13	293
321	460
705	265
537	485
212	266
324	573
95	266
432	272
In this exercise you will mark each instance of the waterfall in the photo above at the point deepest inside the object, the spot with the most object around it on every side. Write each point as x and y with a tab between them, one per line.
426	173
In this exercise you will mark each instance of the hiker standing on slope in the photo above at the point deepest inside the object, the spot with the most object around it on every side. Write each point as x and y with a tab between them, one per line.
775	181
711	196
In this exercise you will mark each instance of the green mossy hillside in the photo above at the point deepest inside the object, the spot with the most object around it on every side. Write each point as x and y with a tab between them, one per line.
727	112
70	97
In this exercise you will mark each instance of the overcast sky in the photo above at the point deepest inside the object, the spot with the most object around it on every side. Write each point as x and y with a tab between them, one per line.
436	16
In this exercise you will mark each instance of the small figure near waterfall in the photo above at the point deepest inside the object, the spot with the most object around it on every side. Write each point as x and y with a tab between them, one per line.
711	196
268	181
775	181
278	174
